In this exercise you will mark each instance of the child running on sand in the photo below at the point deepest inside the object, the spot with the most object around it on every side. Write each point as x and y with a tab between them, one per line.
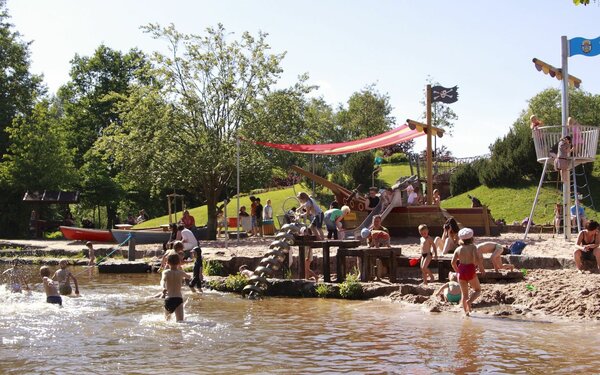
469	259
496	250
197	272
63	277
450	292
16	278
427	245
52	295
171	281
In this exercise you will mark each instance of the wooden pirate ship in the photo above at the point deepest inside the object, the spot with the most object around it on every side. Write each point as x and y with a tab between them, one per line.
401	219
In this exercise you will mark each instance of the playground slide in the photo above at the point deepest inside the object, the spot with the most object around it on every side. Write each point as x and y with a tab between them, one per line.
379	210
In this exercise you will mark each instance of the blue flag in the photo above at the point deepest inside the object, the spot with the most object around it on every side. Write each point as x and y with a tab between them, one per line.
582	46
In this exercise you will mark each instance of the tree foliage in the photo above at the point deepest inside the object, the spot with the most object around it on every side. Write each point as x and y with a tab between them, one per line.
185	133
18	87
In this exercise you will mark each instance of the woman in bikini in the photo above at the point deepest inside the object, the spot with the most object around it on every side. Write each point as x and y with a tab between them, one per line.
588	242
465	261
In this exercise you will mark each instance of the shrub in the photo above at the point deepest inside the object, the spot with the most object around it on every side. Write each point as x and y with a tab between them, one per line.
397	158
351	288
212	268
53	235
236	283
464	179
323	290
359	167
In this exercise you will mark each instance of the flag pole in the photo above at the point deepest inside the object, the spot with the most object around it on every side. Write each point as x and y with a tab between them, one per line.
565	115
429	156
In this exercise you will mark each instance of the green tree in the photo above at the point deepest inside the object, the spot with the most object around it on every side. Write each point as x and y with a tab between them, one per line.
368	114
18	86
185	134
37	159
98	82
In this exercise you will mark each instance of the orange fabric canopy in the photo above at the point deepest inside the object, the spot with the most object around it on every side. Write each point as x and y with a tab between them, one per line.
398	135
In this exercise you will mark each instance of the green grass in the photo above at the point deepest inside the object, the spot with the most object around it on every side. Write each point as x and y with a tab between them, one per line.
277	198
391	172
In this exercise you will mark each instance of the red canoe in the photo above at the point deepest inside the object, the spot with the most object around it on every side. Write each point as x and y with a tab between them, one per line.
85	234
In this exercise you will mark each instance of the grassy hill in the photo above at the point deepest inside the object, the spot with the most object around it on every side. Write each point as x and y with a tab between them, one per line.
277	198
510	204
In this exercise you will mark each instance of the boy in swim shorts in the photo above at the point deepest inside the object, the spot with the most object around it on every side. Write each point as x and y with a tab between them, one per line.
197	271
171	281
469	259
63	275
427	245
52	295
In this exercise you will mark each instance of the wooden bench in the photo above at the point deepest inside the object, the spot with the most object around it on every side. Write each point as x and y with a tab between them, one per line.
368	257
304	243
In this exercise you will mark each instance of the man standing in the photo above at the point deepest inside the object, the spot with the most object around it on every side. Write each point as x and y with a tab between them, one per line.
259	218
373	198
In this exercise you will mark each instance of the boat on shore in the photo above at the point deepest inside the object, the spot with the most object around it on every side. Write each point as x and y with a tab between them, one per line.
87	234
142	236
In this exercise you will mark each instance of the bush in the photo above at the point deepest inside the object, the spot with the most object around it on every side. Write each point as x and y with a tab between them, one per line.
359	167
323	290
397	158
212	268
53	235
351	288
464	179
236	283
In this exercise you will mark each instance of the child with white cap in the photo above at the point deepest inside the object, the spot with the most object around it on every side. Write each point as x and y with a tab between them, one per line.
465	261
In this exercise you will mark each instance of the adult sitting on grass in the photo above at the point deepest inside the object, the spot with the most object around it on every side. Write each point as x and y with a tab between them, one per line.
588	243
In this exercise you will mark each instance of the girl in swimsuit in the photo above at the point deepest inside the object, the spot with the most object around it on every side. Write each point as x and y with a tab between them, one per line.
450	292
588	243
469	259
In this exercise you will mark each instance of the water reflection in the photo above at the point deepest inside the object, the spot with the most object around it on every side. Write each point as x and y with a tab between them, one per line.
116	326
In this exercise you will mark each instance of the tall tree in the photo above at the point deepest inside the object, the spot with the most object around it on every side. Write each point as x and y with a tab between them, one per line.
368	114
18	87
97	84
37	159
211	86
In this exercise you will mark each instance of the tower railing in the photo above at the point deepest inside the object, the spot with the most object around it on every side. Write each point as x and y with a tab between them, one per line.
583	138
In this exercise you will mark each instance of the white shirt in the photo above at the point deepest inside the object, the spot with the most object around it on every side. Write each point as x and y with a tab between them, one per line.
412	198
268	212
188	239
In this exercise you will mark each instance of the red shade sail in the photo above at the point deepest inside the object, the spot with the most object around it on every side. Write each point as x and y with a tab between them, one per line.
398	135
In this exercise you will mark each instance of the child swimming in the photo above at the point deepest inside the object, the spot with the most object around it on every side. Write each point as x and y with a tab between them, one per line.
171	281
52	295
63	277
15	278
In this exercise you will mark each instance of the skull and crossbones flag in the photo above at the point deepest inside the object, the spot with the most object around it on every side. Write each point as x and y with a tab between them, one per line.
444	95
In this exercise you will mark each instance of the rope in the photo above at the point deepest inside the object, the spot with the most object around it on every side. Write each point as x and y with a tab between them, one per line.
101	259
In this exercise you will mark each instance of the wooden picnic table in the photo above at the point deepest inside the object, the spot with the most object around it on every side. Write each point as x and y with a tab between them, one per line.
305	243
368	256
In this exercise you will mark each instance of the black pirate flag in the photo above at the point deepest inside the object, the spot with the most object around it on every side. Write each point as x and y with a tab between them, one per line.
444	95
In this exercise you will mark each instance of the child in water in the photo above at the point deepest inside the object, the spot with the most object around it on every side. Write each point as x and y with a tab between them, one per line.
16	278
52	295
450	292
427	245
90	246
63	277
171	281
469	259
197	272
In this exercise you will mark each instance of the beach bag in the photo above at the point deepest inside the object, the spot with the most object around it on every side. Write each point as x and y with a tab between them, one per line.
517	247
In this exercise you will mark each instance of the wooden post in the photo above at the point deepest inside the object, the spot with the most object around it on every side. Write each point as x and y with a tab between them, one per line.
301	268
340	260
486	220
326	270
131	252
429	153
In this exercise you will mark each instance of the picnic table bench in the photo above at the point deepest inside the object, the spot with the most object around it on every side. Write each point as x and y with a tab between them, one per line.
368	257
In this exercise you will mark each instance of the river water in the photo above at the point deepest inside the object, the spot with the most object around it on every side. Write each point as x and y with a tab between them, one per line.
117	327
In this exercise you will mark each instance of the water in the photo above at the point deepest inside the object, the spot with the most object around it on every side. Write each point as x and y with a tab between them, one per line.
116	327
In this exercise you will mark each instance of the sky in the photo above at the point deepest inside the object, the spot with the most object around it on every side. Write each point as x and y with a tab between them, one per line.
483	47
